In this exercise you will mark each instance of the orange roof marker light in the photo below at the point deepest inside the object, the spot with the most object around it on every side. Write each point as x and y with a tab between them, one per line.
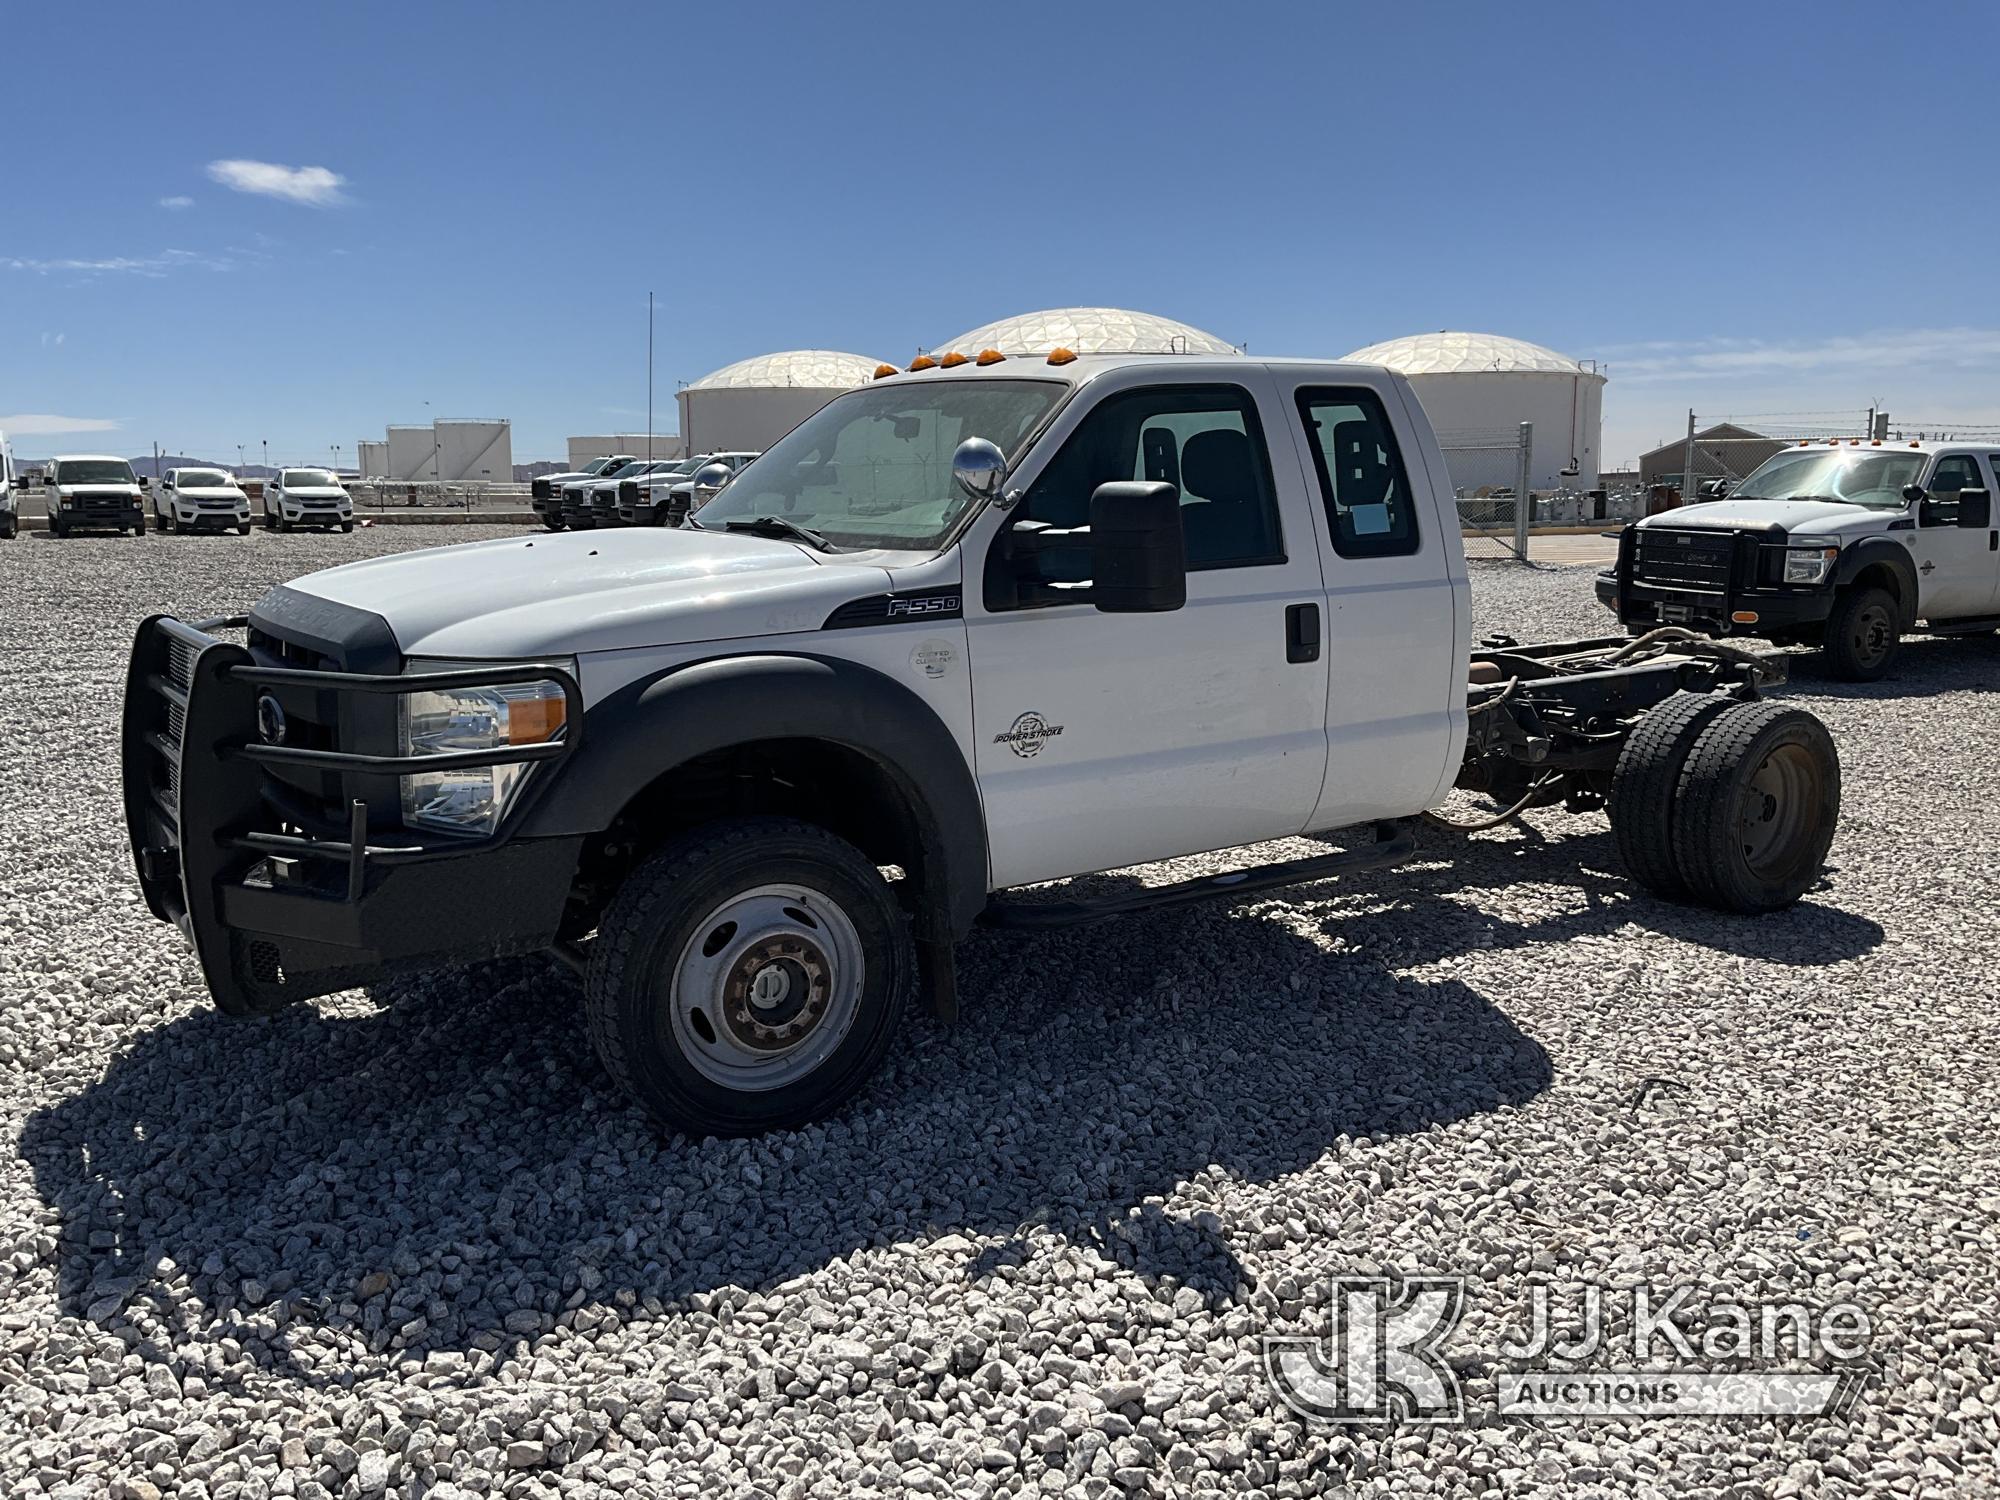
923	362
1060	356
989	357
882	370
953	360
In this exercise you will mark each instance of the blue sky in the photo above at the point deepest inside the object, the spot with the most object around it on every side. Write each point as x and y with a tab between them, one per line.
294	223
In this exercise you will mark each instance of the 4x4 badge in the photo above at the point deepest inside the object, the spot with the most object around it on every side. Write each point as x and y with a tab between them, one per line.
1026	736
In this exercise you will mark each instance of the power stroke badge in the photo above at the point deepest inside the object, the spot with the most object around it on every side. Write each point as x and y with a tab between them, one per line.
1027	734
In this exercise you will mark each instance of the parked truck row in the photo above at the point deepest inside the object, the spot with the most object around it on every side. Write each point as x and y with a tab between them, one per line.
622	490
99	492
965	631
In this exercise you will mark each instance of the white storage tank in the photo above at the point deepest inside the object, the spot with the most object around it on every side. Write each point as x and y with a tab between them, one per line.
412	453
1086	330
1477	388
747	406
477	450
593	446
371	458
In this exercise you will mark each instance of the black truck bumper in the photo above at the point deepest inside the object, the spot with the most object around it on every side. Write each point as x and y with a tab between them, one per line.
1715	581
232	843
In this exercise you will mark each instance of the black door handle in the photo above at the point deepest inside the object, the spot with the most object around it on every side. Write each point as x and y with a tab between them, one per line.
1301	632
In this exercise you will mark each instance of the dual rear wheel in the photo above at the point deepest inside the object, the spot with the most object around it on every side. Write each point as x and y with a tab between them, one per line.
1726	804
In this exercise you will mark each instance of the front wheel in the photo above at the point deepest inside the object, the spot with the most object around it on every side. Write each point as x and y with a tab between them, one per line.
284	522
553	523
243	528
1863	635
346	525
749	977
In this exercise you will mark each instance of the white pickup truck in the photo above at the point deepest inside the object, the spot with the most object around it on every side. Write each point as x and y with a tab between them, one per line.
965	630
1844	544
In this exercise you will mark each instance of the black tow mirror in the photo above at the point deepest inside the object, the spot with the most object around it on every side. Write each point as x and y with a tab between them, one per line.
1138	548
1975	509
1916	494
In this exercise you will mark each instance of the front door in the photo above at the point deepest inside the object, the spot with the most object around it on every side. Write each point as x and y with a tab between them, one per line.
1958	569
1109	740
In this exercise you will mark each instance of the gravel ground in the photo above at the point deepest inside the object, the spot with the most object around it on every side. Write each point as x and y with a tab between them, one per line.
409	1242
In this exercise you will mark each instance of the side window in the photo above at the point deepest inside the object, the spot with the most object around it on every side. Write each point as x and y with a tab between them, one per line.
1204	440
1955	472
1369	507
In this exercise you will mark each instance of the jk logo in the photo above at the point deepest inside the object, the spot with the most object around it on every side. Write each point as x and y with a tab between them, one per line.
1382	1361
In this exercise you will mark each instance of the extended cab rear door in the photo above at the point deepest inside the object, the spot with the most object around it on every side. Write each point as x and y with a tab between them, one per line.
1103	740
1396	595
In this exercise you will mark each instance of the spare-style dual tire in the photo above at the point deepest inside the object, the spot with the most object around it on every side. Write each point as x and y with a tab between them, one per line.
1726	804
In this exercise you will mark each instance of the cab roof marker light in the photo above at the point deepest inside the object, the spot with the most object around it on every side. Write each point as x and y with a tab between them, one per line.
1062	356
989	357
883	371
953	360
923	362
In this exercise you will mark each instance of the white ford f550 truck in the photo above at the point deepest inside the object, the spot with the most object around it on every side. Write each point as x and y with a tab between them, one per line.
972	628
1842	543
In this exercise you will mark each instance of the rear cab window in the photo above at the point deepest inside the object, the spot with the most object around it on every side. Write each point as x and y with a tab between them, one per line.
1363	482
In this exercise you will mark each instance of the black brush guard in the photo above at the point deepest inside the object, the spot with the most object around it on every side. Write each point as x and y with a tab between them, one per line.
277	915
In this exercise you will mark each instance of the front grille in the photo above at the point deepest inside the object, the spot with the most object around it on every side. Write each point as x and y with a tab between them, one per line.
538	488
1693	560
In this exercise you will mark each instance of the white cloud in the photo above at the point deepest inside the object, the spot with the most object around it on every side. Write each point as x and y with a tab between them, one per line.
32	424
1857	354
123	265
315	187
53	340
178	201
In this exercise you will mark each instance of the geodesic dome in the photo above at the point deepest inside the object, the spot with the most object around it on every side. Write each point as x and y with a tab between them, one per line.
1466	354
1088	330
793	369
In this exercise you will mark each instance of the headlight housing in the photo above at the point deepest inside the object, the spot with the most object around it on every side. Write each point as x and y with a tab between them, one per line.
1809	559
472	800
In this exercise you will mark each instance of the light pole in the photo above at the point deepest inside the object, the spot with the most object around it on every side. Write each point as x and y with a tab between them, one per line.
267	456
239	458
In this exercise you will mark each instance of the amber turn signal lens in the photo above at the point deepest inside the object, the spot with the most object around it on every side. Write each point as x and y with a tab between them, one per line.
1062	356
881	370
923	362
534	721
953	361
990	356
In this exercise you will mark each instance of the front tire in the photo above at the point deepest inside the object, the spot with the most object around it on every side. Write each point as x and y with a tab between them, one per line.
554	524
347	526
284	522
243	528
749	977
1863	634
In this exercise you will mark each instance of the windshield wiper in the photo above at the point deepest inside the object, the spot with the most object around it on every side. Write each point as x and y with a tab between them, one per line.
778	526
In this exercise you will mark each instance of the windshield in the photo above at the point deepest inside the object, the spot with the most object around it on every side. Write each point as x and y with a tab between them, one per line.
203	479
873	469
309	479
626	471
1843	474
94	471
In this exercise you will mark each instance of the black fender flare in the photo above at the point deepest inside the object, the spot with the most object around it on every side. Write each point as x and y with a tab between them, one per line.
643	730
1881	551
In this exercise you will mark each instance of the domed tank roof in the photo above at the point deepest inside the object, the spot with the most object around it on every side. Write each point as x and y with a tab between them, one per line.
1467	354
796	369
1088	330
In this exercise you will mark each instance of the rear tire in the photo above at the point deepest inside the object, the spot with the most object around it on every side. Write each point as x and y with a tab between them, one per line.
749	977
1863	634
1646	783
1758	803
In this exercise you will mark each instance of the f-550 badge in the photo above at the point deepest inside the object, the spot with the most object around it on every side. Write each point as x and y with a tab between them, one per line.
1026	736
915	606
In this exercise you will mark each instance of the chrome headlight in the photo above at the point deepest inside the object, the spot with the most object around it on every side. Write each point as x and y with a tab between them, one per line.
473	799
1808	559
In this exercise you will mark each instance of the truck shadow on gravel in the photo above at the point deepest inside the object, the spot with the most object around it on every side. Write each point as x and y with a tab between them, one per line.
453	1170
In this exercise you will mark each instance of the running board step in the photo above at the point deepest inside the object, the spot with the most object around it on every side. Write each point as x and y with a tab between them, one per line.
1963	627
1394	843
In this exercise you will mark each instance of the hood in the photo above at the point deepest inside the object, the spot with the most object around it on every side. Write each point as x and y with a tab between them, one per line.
568	594
211	491
316	492
1793	516
101	486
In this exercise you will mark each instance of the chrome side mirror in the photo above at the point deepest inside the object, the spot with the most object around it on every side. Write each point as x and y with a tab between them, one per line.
709	480
978	468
